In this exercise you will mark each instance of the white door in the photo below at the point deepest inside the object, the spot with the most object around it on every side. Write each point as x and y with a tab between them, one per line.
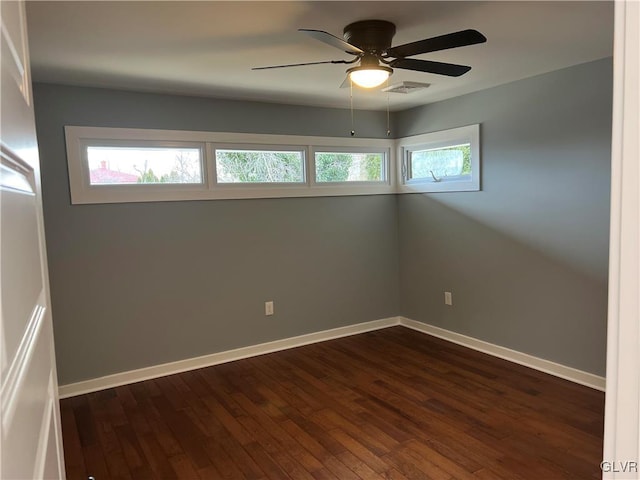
30	440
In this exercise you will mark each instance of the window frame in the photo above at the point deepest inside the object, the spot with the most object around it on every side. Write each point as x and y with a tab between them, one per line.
77	138
84	164
469	134
260	148
386	165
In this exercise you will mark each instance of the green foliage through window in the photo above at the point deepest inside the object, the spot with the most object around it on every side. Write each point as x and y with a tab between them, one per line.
254	166
349	167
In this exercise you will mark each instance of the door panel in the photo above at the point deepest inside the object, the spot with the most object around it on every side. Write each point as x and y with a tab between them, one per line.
30	435
24	410
20	252
15	57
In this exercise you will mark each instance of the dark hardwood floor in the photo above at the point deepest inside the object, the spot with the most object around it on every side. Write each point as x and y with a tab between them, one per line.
390	404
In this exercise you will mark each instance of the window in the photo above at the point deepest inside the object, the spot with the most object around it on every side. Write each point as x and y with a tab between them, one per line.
259	166
113	165
348	166
444	164
441	161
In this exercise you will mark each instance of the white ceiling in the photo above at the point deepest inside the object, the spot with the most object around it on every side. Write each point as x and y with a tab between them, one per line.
208	48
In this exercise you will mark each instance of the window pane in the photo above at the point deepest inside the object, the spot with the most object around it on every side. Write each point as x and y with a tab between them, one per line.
255	166
127	165
349	167
440	163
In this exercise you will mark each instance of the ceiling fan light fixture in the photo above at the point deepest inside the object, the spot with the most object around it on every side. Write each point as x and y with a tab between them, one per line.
369	76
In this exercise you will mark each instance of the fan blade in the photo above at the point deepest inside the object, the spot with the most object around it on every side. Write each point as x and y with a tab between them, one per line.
332	40
427	66
443	42
299	64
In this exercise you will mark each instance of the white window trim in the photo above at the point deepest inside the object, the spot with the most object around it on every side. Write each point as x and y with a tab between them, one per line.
103	142
454	136
84	193
254	147
386	165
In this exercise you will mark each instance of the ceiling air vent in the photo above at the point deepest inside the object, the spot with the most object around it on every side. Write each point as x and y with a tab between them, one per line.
406	87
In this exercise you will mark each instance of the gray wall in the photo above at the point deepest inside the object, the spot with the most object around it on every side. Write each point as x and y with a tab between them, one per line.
135	285
526	258
140	284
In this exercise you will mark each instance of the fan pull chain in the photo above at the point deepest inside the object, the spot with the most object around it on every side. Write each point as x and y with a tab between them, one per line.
353	132
388	116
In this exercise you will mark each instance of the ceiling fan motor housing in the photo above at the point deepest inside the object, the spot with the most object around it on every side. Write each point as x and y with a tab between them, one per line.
372	36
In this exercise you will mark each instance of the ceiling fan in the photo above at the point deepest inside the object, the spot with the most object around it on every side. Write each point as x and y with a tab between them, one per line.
369	41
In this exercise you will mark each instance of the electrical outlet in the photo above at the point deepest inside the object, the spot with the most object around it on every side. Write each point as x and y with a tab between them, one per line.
268	308
448	299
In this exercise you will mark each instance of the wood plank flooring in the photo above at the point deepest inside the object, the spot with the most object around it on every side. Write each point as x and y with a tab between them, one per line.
392	404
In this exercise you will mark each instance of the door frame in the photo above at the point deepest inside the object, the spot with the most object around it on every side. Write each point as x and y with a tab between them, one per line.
622	404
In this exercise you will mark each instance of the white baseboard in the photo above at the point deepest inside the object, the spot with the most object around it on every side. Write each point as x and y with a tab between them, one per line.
552	368
132	376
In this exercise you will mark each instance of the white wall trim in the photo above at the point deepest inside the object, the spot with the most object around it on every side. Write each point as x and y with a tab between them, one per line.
540	364
132	376
171	368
